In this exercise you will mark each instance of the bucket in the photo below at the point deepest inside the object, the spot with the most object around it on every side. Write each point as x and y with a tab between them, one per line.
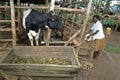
108	30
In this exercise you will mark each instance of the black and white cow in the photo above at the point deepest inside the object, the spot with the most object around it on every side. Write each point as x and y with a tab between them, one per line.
34	21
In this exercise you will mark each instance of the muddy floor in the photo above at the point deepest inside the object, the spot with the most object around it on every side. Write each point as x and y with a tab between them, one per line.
105	67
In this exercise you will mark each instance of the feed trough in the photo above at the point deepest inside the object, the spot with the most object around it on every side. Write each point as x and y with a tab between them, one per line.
41	69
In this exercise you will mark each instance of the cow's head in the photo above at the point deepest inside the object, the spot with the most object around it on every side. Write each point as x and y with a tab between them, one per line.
55	23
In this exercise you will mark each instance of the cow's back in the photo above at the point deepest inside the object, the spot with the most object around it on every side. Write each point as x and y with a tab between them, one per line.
37	17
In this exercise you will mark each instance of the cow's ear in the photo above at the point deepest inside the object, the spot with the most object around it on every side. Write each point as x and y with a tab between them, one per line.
51	12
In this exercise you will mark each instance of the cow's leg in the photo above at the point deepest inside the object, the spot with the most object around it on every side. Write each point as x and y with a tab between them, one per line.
37	37
30	38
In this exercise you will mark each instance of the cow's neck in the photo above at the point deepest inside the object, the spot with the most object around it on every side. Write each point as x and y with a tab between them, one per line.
25	14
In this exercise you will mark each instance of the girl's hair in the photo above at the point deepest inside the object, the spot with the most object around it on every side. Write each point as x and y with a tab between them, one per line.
97	16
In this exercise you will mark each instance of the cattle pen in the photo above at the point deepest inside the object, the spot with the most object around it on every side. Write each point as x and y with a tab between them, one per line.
12	36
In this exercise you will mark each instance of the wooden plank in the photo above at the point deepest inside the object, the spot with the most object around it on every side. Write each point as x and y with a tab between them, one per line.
61	55
85	23
6	55
19	18
72	37
13	22
5	49
5	21
4	7
55	42
76	11
3	26
6	29
40	69
86	19
5	45
45	48
88	48
6	39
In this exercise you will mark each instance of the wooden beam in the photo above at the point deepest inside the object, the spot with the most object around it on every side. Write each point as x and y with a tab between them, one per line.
74	35
6	40
3	26
55	42
73	17
85	23
5	29
5	21
76	11
86	19
19	18
5	49
13	22
4	7
4	45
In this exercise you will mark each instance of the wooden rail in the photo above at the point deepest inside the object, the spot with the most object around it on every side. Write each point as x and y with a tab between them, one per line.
6	21
4	40
6	29
76	11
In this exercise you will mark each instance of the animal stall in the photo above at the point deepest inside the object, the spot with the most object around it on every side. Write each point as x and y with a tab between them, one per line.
16	8
46	53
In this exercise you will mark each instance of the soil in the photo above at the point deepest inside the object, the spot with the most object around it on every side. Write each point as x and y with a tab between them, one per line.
106	67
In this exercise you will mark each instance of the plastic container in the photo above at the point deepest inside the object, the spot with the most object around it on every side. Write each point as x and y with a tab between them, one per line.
108	30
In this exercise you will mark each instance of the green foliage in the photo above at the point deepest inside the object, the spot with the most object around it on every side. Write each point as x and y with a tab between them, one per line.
112	47
109	22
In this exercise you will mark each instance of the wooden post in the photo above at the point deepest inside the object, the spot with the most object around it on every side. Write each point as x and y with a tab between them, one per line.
19	18
46	2
13	22
86	19
73	17
48	37
49	30
85	25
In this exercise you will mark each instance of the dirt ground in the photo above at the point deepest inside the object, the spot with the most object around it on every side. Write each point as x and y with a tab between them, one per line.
106	67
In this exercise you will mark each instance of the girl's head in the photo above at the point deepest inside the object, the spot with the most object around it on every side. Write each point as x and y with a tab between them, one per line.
96	18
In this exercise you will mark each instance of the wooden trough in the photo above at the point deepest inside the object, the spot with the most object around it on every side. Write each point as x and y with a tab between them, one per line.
52	70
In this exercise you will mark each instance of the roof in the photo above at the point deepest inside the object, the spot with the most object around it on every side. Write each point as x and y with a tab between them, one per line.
28	1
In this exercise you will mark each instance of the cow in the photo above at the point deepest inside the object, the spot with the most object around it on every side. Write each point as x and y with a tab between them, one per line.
34	21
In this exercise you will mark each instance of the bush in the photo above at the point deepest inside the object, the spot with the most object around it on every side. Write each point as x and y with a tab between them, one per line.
109	22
